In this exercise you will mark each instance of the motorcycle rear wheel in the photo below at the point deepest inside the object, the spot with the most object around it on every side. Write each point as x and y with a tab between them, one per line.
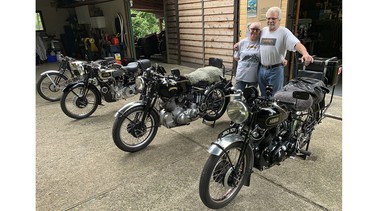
216	103
50	86
132	135
219	184
78	105
305	129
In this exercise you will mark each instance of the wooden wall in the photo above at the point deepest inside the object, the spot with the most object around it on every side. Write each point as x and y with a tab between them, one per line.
198	30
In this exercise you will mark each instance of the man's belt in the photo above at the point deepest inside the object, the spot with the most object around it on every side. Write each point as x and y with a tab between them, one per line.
271	66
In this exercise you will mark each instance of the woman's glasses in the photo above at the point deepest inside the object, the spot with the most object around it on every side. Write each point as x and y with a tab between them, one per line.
254	29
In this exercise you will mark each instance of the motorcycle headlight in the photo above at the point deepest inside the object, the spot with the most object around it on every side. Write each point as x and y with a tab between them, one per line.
237	111
139	83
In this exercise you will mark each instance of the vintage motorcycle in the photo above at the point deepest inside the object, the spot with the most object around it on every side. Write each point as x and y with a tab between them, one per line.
80	99
170	100
52	82
264	131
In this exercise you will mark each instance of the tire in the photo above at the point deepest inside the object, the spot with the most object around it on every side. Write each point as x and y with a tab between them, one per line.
132	135
78	106
217	187
304	130
50	86
216	103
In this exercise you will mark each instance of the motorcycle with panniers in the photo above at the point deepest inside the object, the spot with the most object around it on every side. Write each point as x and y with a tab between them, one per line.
108	81
170	100
264	131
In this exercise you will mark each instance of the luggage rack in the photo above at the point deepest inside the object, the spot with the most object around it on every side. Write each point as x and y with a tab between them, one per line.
325	69
216	62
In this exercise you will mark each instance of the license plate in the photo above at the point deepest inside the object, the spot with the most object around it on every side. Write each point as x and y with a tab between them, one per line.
230	130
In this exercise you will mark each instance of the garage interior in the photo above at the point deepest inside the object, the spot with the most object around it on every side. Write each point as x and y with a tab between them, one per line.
197	30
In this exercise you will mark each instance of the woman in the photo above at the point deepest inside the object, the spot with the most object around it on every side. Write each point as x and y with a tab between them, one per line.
248	56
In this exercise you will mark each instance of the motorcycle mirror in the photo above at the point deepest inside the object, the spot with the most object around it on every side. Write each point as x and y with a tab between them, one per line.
175	72
250	93
269	89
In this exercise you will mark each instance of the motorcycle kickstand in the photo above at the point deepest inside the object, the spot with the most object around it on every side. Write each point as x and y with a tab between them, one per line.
206	123
305	153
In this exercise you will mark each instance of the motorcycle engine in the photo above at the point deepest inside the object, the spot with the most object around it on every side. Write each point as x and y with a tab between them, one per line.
177	111
273	148
117	85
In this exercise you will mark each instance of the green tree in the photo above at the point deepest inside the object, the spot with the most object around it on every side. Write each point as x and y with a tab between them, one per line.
144	23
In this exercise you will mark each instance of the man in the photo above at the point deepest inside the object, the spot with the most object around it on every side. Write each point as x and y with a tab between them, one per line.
275	40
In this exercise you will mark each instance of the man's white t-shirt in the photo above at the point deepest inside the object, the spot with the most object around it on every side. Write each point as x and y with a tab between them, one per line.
273	45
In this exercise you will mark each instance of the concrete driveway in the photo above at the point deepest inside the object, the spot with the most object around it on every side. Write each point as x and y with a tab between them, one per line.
78	167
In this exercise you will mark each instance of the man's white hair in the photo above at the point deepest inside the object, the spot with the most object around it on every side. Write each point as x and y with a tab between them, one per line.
274	9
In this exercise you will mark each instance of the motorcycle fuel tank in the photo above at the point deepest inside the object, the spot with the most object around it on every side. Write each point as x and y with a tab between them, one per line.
269	117
108	73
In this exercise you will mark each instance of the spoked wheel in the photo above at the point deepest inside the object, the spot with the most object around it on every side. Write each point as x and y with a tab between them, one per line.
216	104
220	181
79	103
305	128
130	133
50	86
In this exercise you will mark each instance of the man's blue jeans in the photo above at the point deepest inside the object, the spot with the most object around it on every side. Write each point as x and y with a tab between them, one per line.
273	76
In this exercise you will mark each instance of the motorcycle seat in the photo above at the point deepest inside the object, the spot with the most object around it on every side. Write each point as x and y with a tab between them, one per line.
208	74
131	67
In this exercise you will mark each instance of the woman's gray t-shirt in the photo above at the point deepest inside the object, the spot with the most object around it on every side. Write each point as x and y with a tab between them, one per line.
247	68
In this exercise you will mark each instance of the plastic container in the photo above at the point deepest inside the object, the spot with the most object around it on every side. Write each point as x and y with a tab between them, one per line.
51	58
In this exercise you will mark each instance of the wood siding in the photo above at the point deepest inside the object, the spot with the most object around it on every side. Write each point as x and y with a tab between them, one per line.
198	30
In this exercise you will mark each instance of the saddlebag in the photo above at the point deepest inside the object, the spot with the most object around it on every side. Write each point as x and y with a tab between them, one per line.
325	69
315	87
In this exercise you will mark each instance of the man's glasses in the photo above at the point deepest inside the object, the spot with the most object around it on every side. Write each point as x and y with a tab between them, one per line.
254	29
272	19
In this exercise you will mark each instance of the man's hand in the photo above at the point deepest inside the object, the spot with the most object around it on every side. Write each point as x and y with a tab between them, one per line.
235	46
285	62
307	59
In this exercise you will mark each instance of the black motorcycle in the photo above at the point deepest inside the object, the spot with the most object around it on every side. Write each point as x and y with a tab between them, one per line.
80	99
170	100
264	131
52	82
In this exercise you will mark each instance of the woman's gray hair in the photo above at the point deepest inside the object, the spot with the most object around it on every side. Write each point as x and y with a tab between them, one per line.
248	25
274	9
257	22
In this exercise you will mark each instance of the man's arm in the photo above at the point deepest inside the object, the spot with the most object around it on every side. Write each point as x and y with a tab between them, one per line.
236	55
306	58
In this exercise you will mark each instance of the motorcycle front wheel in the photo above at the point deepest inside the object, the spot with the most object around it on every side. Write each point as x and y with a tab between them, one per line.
130	133
50	86
220	182
79	102
216	103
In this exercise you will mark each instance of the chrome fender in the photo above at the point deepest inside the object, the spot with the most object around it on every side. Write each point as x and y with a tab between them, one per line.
223	143
128	106
49	71
133	104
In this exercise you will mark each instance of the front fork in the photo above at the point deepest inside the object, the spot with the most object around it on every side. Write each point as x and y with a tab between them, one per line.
224	142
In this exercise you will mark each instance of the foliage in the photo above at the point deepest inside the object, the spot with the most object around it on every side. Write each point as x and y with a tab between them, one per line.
144	23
